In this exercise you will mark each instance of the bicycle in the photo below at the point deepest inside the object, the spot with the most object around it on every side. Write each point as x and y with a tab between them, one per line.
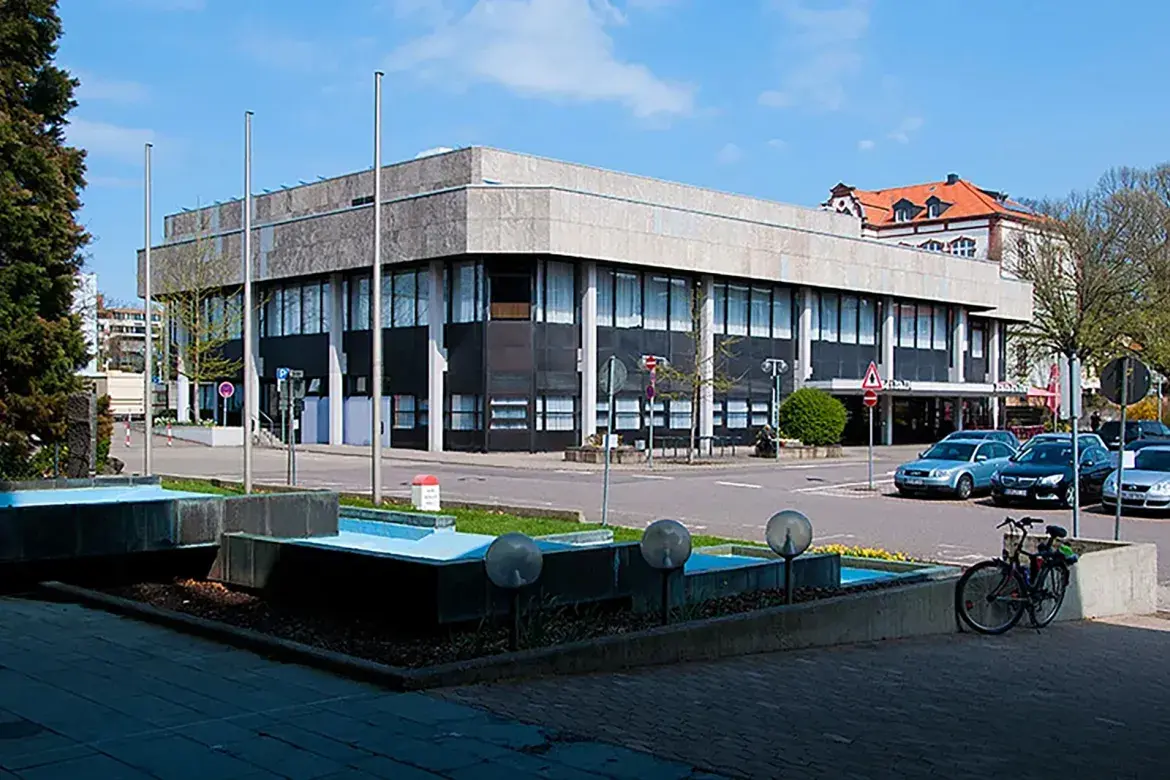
992	595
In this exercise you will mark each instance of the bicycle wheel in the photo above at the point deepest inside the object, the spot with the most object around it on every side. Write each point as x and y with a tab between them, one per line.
1051	585
989	597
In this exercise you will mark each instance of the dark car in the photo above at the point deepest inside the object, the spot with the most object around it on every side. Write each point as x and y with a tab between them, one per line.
1044	475
1134	431
1004	437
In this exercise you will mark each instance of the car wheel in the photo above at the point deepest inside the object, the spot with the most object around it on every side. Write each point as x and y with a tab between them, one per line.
1068	496
964	487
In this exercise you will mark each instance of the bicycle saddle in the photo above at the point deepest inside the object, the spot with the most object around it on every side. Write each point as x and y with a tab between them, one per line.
1056	532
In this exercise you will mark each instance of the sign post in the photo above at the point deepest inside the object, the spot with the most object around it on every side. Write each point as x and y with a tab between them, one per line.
226	391
776	367
612	380
651	363
1124	380
871	384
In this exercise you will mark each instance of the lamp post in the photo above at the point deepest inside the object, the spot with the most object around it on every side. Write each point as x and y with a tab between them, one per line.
513	561
789	533
666	546
250	387
376	303
148	354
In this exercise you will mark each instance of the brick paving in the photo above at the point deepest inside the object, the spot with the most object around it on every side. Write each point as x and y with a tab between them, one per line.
1085	700
86	694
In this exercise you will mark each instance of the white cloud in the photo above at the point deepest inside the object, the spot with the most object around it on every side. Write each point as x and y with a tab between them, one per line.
102	139
548	48
905	128
821	53
97	88
729	154
778	143
285	52
865	145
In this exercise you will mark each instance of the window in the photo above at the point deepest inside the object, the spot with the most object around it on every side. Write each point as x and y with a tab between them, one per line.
680	305
657	294
761	313
233	314
925	318
403	417
932	246
828	316
509	414
720	293
405	290
627	414
311	307
627	300
466	285
737	310
422	299
781	313
866	322
680	414
977	342
940	327
737	413
934	209
760	411
292	310
903	214
605	297
559	413
465	411
717	414
848	319
273	318
386	301
326	307
602	415
362	201
657	410
559	301
359	305
814	305
906	325
963	247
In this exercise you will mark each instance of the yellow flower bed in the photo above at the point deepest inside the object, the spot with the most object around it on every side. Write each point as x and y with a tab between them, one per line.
861	552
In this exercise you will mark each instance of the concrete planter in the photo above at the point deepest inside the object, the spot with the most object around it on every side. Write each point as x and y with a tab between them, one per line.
798	451
1109	579
219	436
597	455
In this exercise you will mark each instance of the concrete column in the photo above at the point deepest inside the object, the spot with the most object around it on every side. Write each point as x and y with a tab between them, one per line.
706	357
958	413
889	338
993	375
959	346
587	362
804	343
182	381
887	402
336	359
436	358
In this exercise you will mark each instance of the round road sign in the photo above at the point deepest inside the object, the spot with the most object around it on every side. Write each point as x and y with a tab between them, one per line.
620	374
1139	381
226	389
651	363
870	398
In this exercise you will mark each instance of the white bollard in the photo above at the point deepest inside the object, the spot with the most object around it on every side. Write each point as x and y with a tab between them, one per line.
424	493
127	430
170	439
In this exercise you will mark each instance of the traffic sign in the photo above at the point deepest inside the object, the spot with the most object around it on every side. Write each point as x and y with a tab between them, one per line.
281	374
1139	381
296	373
870	398
872	380
619	376
650	392
226	389
650	362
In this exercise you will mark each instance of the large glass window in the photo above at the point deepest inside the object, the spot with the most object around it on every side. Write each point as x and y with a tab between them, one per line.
559	302
849	306
760	413
465	411
680	305
657	410
386	301
605	297
814	322
292	310
627	414
737	310
657	299
761	313
359	305
866	322
627	300
559	413
405	290
925	318
509	414
311	307
906	326
423	299
326	306
680	414
465	287
737	413
403	412
977	342
781	313
602	415
829	316
940	327
720	293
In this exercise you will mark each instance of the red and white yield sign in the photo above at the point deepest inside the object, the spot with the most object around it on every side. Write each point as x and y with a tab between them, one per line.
870	398
651	362
872	380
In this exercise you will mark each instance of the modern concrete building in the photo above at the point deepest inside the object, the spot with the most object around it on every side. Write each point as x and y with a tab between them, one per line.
510	279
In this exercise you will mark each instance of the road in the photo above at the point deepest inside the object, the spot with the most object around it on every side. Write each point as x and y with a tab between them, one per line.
733	501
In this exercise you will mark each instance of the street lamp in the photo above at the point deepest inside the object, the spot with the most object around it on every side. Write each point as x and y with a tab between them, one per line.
666	546
513	561
789	533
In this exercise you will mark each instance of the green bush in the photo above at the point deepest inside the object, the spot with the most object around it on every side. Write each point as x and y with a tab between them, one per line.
105	431
813	416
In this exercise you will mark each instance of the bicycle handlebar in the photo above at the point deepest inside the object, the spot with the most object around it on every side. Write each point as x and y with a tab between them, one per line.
1024	523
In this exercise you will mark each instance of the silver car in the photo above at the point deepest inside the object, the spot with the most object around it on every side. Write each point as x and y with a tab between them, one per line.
1145	486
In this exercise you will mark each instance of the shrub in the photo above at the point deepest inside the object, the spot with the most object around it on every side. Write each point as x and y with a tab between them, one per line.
813	416
105	431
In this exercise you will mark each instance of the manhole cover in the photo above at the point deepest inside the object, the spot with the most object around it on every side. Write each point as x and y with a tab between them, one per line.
20	729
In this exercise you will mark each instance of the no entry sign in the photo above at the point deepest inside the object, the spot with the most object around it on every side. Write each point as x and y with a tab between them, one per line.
870	398
651	363
226	389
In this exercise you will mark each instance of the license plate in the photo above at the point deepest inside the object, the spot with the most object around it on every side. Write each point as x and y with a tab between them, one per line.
914	481
1129	495
1014	492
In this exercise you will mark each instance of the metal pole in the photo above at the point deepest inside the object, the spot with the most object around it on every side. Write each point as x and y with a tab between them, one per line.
653	398
776	409
292	443
1074	392
1121	448
249	359
666	596
608	434
789	580
282	390
1159	398
376	299
148	363
870	447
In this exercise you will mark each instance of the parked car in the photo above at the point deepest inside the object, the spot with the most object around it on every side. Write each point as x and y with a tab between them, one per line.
1005	437
958	467
1044	475
1134	430
1084	441
1146	485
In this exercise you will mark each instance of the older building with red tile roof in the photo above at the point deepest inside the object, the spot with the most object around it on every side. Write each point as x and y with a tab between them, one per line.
952	216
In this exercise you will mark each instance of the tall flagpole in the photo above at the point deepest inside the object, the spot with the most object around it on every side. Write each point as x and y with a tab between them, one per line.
376	299
249	358
148	357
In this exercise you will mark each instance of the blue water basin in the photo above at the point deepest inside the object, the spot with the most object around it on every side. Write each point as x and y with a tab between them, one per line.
429	544
93	495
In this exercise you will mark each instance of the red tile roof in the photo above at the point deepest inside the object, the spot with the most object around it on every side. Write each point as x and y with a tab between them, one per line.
961	200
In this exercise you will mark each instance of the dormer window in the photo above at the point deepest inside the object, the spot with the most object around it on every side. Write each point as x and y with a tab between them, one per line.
934	208
932	246
904	211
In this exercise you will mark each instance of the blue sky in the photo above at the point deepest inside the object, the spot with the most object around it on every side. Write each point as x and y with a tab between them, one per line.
779	99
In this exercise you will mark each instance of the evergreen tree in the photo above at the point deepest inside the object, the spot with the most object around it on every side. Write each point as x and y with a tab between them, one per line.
41	345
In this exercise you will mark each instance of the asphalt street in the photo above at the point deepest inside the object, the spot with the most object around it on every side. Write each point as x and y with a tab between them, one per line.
734	500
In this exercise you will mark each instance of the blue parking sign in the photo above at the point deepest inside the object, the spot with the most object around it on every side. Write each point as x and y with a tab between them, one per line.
281	374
